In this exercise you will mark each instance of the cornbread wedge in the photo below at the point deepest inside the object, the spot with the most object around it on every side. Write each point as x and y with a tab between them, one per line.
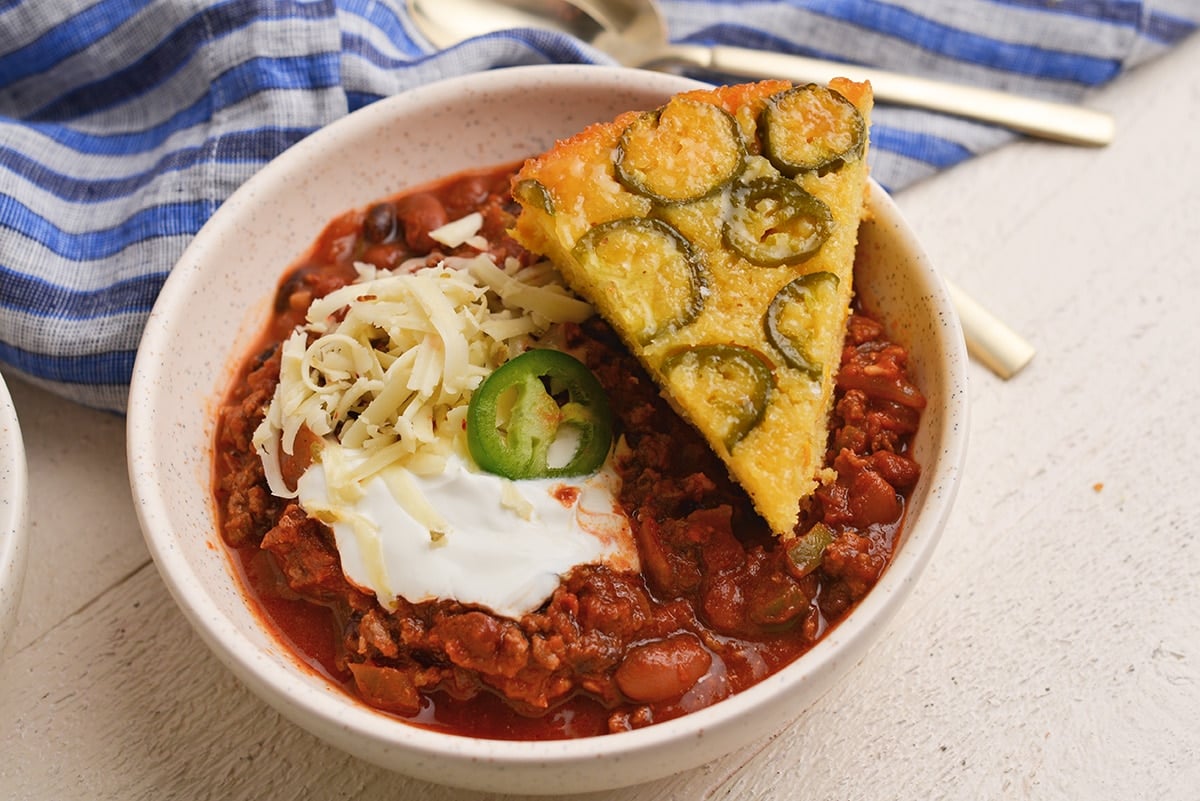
716	235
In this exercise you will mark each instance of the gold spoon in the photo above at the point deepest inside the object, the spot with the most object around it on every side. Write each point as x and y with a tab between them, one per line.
634	32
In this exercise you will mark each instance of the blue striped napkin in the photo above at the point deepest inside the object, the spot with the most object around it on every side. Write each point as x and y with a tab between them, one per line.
125	123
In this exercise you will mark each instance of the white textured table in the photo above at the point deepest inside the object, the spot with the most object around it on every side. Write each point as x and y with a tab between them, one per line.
1052	651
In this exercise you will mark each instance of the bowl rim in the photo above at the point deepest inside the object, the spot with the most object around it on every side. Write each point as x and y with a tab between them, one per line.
285	688
14	512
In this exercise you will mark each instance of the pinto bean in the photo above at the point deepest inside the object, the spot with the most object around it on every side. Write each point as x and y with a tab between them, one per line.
419	214
663	670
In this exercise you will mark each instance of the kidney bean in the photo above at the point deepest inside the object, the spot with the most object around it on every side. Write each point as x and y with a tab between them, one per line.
664	669
304	452
419	214
723	604
872	499
466	195
899	471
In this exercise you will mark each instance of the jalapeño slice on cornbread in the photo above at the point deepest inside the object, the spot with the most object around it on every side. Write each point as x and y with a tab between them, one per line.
716	234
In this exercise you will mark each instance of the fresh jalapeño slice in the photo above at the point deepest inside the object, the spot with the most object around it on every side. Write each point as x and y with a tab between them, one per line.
519	411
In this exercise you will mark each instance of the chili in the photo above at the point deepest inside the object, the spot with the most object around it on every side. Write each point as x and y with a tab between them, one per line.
719	603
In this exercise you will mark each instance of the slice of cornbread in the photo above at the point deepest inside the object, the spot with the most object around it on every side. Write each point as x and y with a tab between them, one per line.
716	235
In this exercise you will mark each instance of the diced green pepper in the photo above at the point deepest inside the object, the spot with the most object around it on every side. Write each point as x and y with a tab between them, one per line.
772	222
787	323
811	128
517	413
734	381
806	551
776	603
684	151
648	269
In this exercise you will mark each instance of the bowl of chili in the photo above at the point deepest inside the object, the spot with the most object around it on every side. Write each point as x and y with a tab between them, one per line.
236	289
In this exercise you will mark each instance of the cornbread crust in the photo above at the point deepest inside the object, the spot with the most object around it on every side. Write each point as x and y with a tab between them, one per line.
779	458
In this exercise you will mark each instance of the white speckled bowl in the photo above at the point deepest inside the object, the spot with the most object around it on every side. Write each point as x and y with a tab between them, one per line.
14	512
211	308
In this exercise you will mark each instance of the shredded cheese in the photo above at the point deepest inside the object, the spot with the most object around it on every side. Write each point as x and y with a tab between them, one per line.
386	365
457	232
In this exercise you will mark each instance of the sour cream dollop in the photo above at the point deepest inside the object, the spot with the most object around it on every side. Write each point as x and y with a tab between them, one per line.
466	535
